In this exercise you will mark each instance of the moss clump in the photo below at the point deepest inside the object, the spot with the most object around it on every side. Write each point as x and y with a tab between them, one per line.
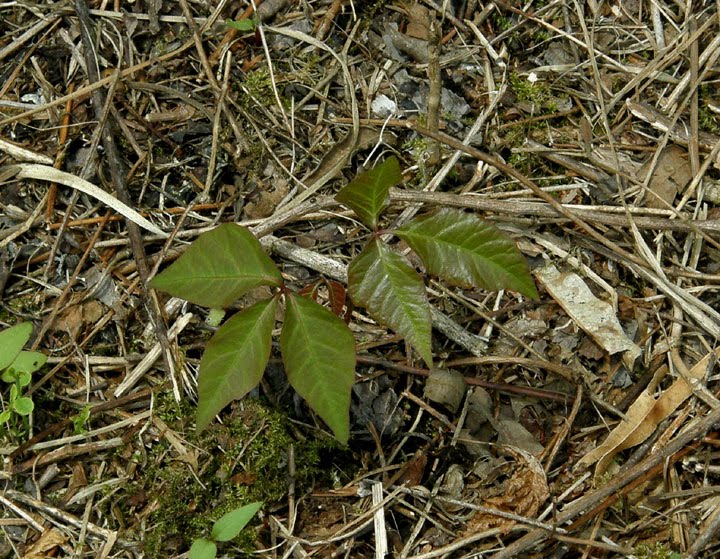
241	461
535	92
257	88
657	551
708	120
419	148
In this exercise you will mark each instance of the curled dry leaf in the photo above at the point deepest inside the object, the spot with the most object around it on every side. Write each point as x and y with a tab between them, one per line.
419	22
644	416
480	409
594	316
522	494
74	317
411	473
48	543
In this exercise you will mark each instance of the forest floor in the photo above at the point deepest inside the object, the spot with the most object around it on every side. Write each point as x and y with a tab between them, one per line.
585	423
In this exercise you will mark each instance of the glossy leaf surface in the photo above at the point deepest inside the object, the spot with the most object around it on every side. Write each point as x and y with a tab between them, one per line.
464	250
218	268
368	194
393	293
232	523
12	340
235	359
318	351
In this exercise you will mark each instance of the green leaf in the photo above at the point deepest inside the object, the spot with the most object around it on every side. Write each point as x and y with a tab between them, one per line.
12	341
219	267
241	24
464	250
28	362
5	416
232	523
80	420
393	293
318	350
235	359
22	378
214	317
203	549
368	194
23	405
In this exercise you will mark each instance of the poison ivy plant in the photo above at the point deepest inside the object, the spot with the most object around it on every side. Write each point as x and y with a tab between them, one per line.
317	347
368	194
16	369
238	352
221	266
318	350
224	530
393	293
456	246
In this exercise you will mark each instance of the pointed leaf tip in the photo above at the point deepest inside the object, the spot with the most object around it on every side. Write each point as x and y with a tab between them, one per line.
393	293
231	524
235	359
464	250
318	351
368	194
218	268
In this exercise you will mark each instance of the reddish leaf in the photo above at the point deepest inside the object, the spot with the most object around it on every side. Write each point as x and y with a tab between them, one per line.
318	351
235	359
219	267
368	194
336	292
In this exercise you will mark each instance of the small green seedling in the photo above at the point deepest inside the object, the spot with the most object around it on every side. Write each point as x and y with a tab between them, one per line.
224	530
80	421
241	24
16	369
318	348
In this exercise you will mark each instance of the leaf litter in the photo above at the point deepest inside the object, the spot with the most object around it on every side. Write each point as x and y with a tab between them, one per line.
610	109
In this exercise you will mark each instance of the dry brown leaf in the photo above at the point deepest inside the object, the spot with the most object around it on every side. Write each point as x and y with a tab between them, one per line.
49	540
644	416
336	158
78	480
596	317
446	387
74	317
522	494
70	320
671	176
512	433
322	518
267	201
412	472
418	22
